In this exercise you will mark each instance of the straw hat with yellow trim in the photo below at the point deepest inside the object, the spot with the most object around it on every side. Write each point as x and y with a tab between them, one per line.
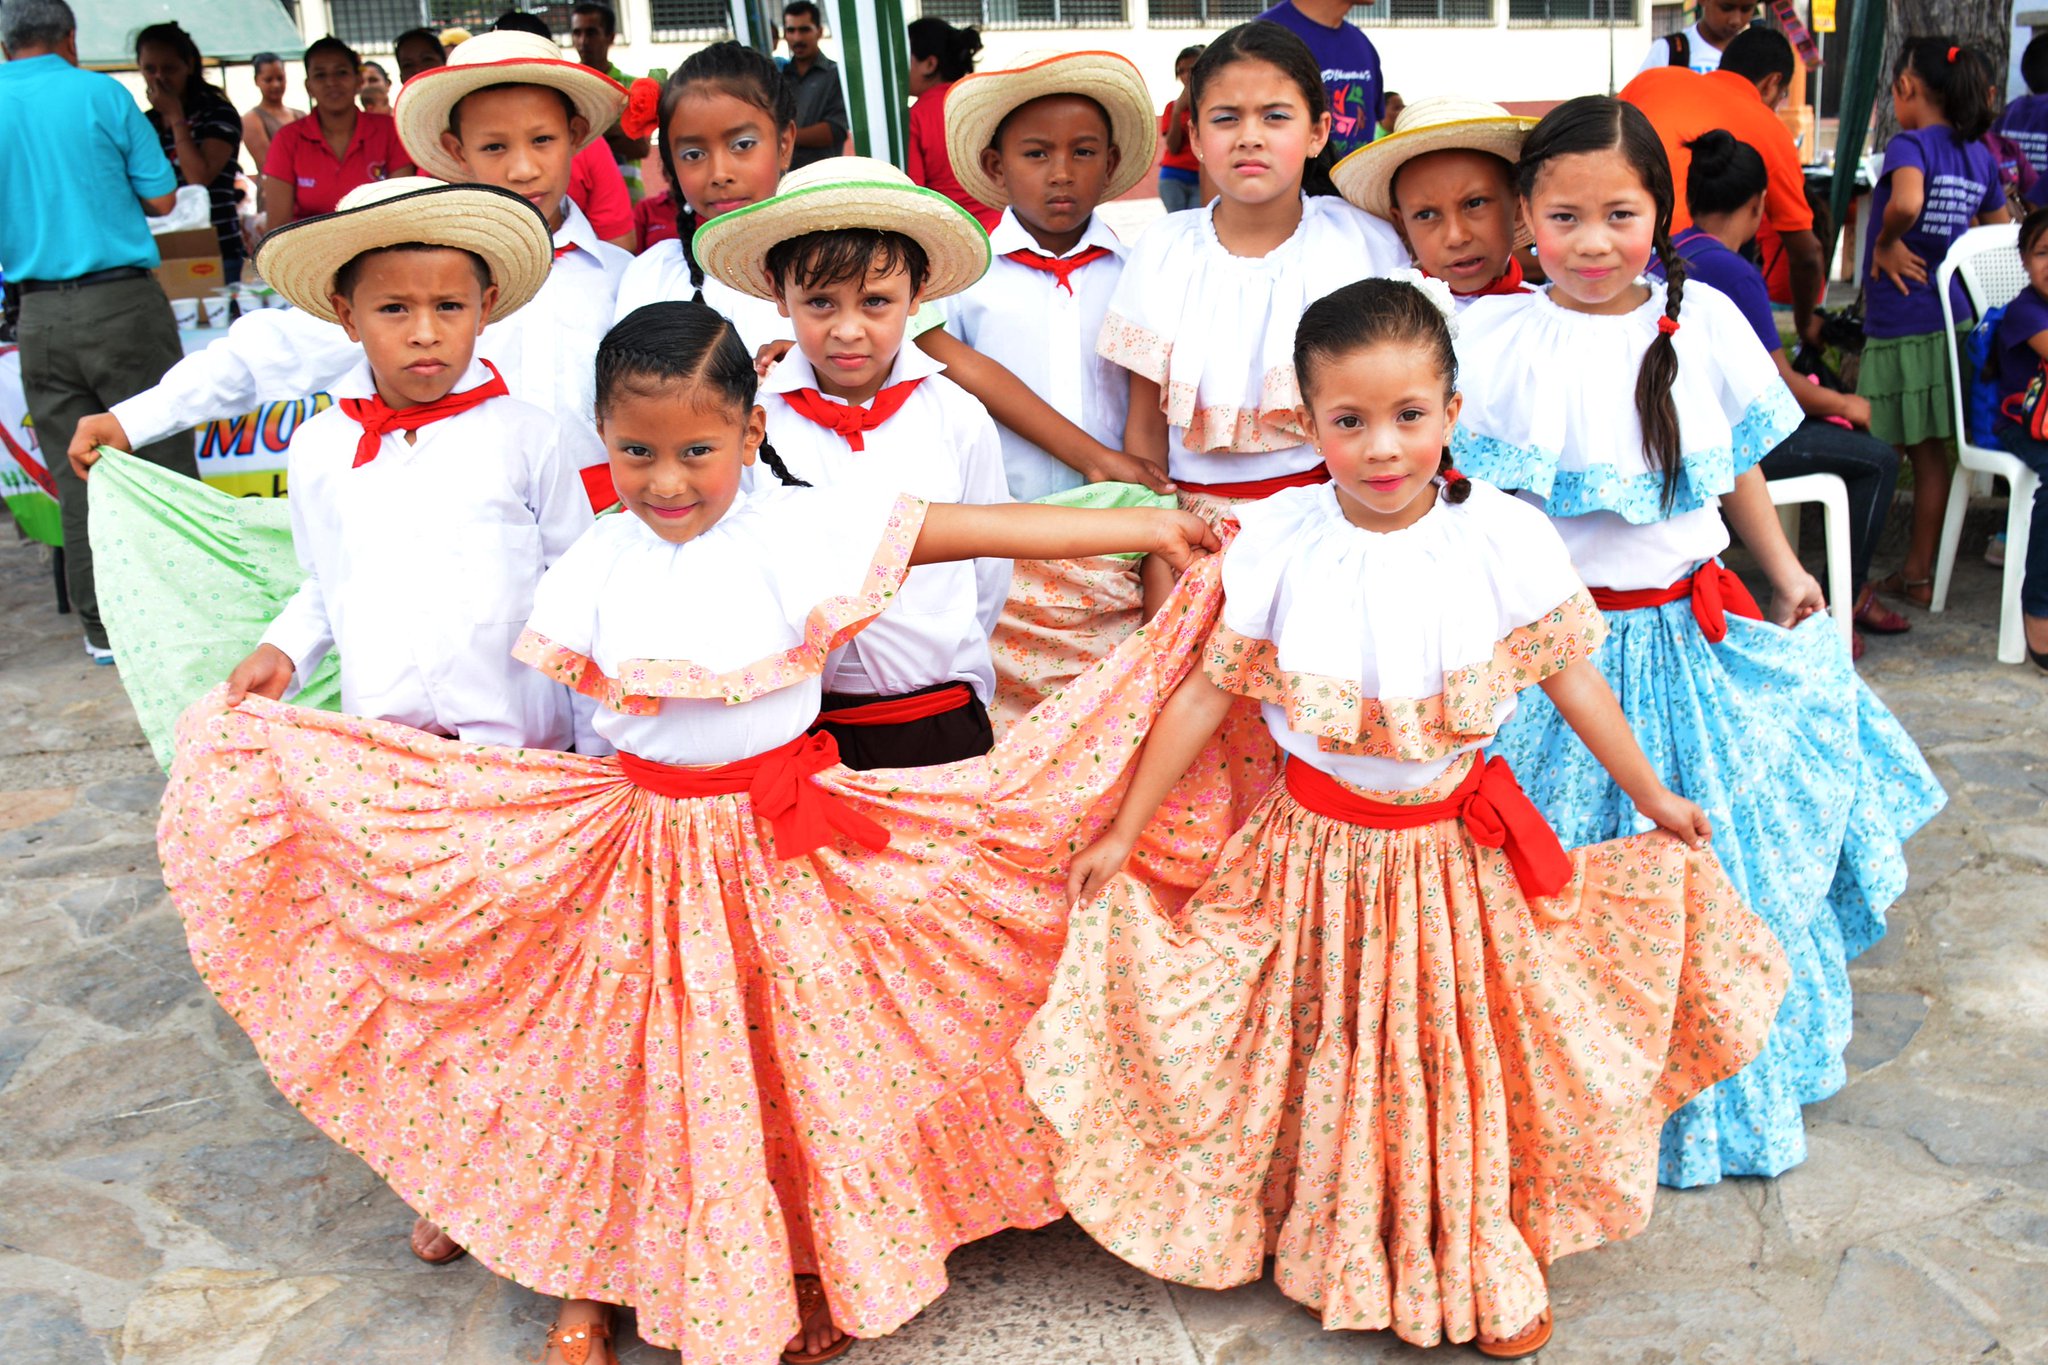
1442	123
837	193
500	57
301	259
978	103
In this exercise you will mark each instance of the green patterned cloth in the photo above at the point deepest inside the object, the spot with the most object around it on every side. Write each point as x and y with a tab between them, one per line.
188	580
1096	496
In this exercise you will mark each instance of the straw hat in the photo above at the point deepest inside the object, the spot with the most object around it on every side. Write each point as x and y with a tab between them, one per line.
978	103
845	192
301	259
422	104
1366	177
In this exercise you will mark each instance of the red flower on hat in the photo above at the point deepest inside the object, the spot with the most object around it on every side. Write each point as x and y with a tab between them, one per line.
643	108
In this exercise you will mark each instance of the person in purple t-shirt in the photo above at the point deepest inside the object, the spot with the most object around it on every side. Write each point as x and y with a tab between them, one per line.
2022	350
2025	119
1351	69
1939	179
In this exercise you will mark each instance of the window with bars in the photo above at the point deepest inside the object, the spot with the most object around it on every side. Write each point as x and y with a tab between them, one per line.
370	25
1024	14
689	21
1570	13
1204	13
1422	13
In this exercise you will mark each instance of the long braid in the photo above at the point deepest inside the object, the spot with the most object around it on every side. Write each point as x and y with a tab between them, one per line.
1659	371
778	468
1457	487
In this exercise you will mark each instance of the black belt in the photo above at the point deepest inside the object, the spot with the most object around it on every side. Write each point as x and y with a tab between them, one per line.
113	276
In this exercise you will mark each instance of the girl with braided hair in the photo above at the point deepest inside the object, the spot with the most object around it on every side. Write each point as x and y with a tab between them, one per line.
1637	447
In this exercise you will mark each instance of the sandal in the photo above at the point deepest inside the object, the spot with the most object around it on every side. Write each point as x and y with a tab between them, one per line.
575	1342
1877	618
1918	591
810	1297
1532	1339
455	1251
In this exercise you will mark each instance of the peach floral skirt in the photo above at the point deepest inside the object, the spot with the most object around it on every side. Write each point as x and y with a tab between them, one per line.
616	1049
1365	1053
1062	616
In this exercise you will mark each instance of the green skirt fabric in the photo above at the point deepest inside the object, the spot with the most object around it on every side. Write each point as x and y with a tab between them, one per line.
188	580
1906	380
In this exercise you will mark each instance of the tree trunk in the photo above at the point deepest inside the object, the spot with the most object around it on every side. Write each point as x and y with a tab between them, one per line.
1984	26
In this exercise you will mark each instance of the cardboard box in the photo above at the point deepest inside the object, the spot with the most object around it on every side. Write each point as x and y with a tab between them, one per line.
191	266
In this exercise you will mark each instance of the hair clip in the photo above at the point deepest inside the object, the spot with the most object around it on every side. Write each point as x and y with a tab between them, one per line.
642	114
1667	325
1952	53
1451	475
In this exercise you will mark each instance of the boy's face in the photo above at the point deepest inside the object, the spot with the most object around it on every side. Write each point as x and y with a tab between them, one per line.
676	456
1721	20
850	331
1055	159
417	315
521	139
1458	212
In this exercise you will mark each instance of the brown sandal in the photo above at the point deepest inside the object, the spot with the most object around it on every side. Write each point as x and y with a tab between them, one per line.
575	1342
1918	591
1877	618
810	1296
413	1241
1532	1339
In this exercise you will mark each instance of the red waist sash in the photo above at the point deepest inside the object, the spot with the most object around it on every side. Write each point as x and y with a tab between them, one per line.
1715	591
1259	488
802	814
1490	802
897	710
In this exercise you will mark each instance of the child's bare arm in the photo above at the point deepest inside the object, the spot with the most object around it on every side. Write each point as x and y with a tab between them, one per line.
1587	703
1027	530
1145	424
1155	581
1795	593
1185	724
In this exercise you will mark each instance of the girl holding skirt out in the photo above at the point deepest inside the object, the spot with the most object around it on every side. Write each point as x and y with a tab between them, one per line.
1399	1040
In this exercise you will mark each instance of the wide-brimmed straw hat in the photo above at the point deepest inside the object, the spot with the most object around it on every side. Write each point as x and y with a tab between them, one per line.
300	260
845	192
500	57
978	103
1438	124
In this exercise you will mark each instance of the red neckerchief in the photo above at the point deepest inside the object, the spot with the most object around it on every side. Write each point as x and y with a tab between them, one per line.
1510	281
850	421
378	417
564	250
1061	267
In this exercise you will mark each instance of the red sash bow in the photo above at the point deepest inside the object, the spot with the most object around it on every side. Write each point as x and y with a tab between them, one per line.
1715	591
1253	489
378	417
1490	803
802	814
846	419
1062	268
900	710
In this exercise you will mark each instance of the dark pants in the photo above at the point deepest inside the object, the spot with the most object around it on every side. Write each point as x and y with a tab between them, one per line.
82	351
1869	467
948	737
2034	454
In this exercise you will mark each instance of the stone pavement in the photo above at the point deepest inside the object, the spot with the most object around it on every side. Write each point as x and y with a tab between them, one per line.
161	1205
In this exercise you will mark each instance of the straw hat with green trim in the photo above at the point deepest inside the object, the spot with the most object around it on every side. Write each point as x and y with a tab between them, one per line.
1442	123
301	260
845	192
500	57
978	103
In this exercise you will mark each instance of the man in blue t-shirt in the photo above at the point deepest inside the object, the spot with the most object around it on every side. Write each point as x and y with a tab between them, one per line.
82	167
1350	64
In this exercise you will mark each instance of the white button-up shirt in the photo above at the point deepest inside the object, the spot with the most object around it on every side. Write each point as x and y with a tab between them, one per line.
421	566
941	446
547	352
661	274
1046	337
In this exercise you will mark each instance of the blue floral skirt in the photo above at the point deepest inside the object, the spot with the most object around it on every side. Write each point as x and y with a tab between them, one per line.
1813	788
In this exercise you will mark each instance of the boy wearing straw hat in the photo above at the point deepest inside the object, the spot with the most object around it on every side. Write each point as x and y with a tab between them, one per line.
427	501
1445	178
848	249
507	111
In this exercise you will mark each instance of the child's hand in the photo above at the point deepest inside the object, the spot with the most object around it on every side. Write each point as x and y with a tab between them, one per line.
1898	264
1094	866
770	352
1682	817
1183	538
267	672
1113	466
1795	599
1855	409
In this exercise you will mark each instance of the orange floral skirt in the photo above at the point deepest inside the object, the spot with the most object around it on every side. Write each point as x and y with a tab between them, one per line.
615	1048
1365	1053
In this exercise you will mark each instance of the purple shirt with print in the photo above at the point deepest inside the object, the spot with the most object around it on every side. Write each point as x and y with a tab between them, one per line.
1351	75
1961	182
2026	317
2025	121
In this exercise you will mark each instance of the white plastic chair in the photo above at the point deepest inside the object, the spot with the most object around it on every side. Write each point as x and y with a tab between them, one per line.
1833	495
1987	260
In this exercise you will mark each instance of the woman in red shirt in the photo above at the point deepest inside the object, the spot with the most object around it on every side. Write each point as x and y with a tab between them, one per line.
939	55
314	161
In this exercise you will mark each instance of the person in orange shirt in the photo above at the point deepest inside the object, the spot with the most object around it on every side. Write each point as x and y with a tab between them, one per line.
1743	96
